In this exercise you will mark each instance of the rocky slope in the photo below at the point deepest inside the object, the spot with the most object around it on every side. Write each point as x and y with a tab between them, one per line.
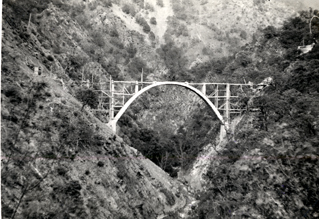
60	162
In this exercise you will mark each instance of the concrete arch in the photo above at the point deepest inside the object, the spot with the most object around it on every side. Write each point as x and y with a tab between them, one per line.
113	122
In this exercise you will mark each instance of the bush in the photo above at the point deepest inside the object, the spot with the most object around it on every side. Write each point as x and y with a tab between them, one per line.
88	97
149	7
141	21
107	3
151	36
50	58
98	39
114	32
131	50
62	171
243	35
100	164
160	3
270	32
140	3
170	199
113	70
93	5
146	28
136	66
153	21
126	9
129	9
117	42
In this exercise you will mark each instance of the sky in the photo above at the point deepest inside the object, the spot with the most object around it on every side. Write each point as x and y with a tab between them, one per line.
311	3
306	3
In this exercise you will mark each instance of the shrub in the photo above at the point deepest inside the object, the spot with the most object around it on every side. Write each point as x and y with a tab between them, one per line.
170	199
136	66
93	5
14	94
114	32
113	70
107	3
151	36
100	164
140	3
98	39
146	28
117	42
62	171
243	34
126	9
87	97
50	58
153	21
141	21
149	7
270	32
129	9
160	3
73	188
131	50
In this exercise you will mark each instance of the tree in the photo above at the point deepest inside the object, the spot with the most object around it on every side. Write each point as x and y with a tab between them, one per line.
87	97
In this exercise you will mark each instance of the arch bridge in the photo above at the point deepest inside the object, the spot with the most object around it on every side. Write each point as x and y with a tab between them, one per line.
221	97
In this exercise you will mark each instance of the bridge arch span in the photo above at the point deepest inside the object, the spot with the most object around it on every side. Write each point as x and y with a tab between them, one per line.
113	122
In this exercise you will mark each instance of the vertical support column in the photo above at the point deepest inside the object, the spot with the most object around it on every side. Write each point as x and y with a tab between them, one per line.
216	96
30	21
227	105
112	101
225	127
136	87
204	89
123	95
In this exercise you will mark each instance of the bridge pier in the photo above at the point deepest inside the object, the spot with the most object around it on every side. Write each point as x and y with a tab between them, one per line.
112	125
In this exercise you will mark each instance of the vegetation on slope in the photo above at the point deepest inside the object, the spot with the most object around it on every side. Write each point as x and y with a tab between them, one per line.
53	151
269	168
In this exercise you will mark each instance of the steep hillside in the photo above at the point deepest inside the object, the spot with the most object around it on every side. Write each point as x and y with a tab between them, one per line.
260	171
53	149
55	153
219	28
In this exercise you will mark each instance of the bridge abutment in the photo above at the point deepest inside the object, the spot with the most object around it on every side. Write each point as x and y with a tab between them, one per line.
112	125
